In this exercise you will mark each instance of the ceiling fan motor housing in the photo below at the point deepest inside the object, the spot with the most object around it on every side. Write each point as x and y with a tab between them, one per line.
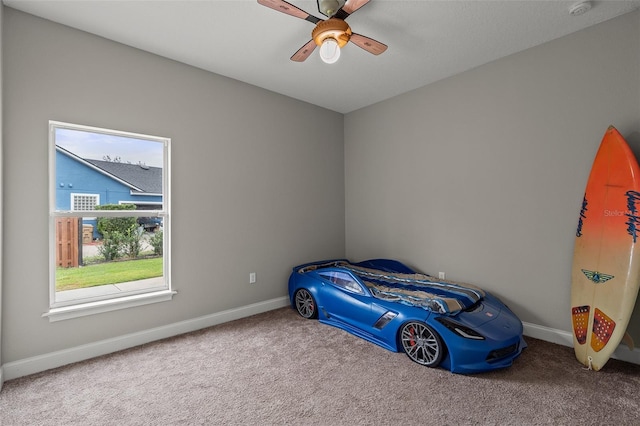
329	7
335	28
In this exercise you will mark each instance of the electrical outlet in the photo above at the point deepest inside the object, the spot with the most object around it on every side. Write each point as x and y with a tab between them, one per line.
441	275
252	278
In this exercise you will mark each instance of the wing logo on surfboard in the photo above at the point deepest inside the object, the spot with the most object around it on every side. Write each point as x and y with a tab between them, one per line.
597	277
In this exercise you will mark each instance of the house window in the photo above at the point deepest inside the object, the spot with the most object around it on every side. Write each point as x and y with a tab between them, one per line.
84	201
109	202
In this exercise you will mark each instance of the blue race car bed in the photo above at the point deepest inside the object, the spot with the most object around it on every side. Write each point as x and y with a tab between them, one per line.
435	322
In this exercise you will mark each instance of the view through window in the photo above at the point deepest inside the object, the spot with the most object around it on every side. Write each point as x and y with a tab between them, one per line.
109	212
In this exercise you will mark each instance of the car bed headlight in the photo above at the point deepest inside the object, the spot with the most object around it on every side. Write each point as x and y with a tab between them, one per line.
460	329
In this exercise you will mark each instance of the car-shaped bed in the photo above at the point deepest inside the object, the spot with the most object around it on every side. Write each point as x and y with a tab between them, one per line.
436	322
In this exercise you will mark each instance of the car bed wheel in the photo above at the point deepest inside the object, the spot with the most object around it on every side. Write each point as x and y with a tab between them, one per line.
305	304
421	343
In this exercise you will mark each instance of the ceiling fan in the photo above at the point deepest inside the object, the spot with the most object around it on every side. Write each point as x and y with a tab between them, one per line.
330	34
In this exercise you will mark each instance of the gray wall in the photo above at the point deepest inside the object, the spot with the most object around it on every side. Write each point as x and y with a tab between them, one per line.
258	183
482	175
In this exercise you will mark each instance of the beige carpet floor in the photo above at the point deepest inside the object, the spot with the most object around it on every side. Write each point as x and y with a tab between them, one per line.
279	369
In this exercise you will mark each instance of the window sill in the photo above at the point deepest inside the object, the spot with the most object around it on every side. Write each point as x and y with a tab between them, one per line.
92	308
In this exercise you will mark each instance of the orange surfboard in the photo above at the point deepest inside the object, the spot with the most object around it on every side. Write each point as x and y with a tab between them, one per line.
606	258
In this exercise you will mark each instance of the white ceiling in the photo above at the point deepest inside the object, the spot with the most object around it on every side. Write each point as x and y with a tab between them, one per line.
428	40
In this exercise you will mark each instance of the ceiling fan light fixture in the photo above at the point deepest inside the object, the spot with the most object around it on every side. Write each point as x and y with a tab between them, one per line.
330	36
329	50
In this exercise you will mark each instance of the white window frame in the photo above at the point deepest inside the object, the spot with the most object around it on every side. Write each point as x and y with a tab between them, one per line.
77	307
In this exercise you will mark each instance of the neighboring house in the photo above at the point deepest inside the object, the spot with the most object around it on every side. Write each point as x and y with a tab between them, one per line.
82	184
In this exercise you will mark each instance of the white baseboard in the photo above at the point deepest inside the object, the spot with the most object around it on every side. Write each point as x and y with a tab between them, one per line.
565	338
547	334
36	364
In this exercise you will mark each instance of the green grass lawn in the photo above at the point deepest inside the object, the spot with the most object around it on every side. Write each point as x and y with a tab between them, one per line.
108	273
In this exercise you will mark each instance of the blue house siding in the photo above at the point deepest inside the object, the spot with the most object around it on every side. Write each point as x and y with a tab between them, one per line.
76	176
73	177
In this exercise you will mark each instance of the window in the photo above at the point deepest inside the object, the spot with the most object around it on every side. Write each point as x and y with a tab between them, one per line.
109	202
84	201
343	280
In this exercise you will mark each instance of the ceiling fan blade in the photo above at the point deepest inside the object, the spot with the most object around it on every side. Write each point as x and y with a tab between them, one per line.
289	9
304	52
368	44
349	7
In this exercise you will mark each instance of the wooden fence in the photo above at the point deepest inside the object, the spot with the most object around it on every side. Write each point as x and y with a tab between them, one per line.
68	242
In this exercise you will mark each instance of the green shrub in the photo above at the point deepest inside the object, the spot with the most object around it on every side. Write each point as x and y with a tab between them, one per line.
156	242
107	225
132	241
111	247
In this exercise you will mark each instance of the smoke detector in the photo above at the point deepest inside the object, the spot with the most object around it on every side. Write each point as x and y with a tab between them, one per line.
580	8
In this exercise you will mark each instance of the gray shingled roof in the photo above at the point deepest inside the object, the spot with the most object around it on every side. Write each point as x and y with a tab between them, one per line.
147	178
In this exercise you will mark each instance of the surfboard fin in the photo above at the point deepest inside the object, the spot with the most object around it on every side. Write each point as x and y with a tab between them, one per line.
628	340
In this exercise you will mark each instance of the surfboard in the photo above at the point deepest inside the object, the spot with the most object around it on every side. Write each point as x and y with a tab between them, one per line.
606	259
